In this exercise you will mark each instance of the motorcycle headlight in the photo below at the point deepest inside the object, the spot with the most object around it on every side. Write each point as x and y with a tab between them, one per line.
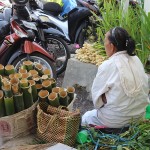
44	19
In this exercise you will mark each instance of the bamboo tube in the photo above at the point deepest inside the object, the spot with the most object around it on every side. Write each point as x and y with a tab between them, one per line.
9	69
27	96
61	89
15	89
24	82
47	85
47	72
7	89
18	75
11	76
37	79
56	90
2	105
22	70
28	65
19	102
70	91
1	69
15	85
39	69
38	87
26	75
33	72
4	80
53	82
53	99
34	90
63	98
44	77
9	105
43	95
14	81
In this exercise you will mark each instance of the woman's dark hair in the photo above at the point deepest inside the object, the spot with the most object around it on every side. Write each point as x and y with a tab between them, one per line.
120	38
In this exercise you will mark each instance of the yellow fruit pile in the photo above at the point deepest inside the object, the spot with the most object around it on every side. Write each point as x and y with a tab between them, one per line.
89	54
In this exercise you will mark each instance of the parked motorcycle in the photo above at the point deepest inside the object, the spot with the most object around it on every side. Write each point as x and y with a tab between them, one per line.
49	40
19	46
71	28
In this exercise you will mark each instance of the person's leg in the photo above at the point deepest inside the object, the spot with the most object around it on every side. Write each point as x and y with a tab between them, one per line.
90	117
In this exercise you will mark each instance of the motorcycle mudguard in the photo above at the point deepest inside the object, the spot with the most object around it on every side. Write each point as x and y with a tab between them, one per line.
29	48
54	32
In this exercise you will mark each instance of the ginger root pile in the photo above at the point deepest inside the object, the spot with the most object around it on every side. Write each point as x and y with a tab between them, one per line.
89	53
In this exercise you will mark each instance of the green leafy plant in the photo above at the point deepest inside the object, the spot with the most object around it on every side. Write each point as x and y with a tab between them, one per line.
135	21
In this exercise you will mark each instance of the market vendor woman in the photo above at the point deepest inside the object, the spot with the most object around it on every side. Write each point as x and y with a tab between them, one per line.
120	88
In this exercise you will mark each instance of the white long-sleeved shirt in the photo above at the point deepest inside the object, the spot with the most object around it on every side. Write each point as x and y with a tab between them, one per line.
125	84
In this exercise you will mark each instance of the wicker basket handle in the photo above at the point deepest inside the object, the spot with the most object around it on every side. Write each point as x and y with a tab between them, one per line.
49	123
63	107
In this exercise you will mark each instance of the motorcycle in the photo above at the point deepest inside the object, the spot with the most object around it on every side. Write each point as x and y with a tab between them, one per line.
19	46
50	41
71	28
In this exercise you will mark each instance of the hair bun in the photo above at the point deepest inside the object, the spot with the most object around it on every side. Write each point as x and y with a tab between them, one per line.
130	44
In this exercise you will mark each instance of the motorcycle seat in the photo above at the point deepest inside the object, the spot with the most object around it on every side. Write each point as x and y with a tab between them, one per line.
52	8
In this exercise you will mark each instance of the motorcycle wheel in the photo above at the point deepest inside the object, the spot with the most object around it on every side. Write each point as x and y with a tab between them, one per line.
36	58
60	49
